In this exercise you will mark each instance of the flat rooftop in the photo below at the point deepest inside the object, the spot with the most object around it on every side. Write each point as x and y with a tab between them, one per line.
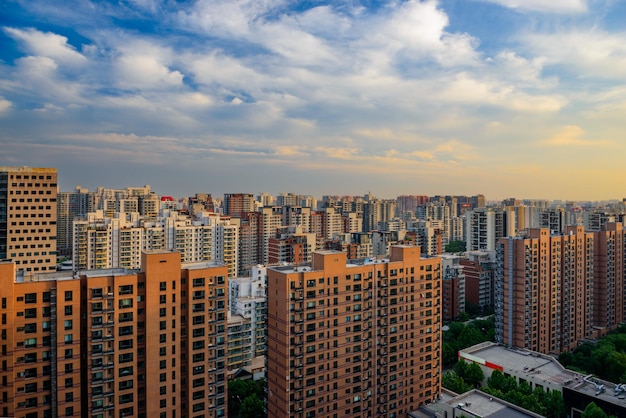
537	367
480	404
522	362
472	404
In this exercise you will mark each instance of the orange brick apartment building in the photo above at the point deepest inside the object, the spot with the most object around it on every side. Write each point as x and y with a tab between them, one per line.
113	343
354	338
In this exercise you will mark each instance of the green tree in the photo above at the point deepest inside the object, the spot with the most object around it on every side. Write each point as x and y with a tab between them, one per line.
593	411
473	374
454	382
460	368
252	407
449	353
555	406
455	247
240	390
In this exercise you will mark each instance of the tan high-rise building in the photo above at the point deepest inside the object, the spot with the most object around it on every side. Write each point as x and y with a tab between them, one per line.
357	339
554	290
237	203
28	217
116	342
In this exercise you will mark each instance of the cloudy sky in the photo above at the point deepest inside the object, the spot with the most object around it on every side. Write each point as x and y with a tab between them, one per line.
523	98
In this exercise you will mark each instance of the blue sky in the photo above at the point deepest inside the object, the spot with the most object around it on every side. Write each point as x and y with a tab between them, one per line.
523	98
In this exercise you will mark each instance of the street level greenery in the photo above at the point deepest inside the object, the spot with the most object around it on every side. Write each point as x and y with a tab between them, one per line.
245	398
605	358
461	335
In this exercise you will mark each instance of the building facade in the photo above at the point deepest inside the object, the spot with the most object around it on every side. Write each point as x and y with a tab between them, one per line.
354	339
28	217
117	342
528	288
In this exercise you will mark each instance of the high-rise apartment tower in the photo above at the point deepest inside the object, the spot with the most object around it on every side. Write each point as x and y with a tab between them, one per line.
354	338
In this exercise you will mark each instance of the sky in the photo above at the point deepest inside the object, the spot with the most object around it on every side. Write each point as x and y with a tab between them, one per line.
508	98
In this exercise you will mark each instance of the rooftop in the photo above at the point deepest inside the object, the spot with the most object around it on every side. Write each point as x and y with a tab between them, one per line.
537	367
472	404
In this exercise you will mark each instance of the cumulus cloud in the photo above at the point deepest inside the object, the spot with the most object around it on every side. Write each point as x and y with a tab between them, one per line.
544	6
586	53
144	71
407	86
227	18
47	44
5	105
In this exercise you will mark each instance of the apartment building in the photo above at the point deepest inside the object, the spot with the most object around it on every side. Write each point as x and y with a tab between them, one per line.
452	287
250	242
237	203
354	338
116	342
28	217
554	290
484	227
111	242
478	268
71	205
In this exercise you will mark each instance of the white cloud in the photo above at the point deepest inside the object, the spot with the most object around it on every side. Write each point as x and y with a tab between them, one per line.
47	44
545	6
466	88
586	53
227	18
145	71
416	31
5	105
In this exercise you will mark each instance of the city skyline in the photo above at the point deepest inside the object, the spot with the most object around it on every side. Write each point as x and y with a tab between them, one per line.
432	97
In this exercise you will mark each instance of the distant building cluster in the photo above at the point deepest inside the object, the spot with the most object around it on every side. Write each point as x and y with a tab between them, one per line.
338	302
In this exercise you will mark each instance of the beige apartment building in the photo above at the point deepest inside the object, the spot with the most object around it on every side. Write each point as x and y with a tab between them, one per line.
28	217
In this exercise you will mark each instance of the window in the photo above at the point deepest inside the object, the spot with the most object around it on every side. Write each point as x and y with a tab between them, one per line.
126	316
128	330
68	295
126	371
127	384
69	368
68	310
126	303
30	298
30	342
125	358
125	344
198	282
126	289
29	313
126	398
162	285
68	338
68	324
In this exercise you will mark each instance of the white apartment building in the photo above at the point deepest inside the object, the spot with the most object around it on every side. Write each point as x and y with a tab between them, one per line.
103	242
248	312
